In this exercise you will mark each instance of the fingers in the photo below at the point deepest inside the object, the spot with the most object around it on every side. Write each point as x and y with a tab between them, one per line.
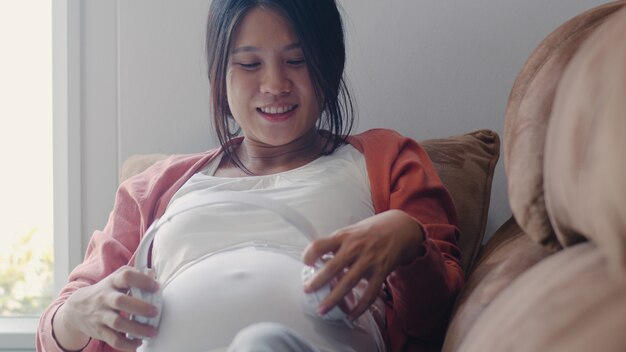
122	280
122	325
318	248
343	289
132	305
332	269
96	310
358	256
126	277
374	286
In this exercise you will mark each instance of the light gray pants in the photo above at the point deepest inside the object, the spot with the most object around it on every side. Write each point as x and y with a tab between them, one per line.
269	337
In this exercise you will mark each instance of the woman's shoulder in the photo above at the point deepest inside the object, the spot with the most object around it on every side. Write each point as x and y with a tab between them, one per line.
380	140
149	165
151	188
379	133
150	170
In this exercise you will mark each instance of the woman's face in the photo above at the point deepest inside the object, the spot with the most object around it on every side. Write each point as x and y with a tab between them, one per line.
269	91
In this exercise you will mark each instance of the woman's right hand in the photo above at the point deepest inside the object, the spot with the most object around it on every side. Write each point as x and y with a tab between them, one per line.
94	312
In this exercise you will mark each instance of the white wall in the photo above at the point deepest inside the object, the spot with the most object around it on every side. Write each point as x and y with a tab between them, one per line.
426	68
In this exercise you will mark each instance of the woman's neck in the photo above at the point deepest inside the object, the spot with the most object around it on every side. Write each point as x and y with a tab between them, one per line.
263	159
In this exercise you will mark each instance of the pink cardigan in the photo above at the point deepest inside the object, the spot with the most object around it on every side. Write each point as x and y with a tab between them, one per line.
419	296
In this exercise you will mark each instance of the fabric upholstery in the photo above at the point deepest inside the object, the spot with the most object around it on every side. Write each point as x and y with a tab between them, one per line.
507	254
137	163
527	115
466	164
585	164
565	303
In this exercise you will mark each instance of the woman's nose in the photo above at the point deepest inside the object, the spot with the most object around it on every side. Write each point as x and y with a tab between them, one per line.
275	82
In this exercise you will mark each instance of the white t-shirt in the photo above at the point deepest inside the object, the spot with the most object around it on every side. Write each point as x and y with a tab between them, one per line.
225	266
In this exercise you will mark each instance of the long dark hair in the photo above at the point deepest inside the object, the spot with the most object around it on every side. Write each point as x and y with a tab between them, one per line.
319	28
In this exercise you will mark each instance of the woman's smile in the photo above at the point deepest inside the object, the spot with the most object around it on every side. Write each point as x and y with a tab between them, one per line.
277	113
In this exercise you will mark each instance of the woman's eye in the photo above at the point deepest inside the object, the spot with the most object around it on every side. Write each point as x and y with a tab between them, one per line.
296	62
249	66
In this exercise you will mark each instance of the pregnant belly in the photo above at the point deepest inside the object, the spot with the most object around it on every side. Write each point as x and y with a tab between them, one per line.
205	305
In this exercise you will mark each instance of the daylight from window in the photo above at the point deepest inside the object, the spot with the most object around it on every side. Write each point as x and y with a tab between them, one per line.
26	247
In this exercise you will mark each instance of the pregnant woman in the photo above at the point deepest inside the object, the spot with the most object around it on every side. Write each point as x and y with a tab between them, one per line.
386	226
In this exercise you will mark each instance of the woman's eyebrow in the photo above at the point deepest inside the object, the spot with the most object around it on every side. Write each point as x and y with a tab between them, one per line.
245	49
291	47
248	49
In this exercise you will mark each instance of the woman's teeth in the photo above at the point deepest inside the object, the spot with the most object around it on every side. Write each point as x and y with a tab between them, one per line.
278	109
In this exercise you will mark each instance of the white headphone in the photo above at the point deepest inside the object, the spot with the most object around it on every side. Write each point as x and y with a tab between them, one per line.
288	214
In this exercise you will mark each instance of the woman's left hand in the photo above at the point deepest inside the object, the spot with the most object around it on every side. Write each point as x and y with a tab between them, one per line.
370	249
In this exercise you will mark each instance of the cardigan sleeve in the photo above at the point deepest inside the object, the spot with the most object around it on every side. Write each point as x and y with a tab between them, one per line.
424	291
107	251
419	295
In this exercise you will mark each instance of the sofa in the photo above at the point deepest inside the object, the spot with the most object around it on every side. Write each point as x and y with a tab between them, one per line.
552	277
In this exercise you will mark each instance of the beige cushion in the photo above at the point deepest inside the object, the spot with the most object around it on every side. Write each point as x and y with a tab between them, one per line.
507	255
135	164
565	303
586	149
527	115
465	164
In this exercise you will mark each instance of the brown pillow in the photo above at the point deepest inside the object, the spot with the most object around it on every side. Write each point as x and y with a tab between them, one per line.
565	303
466	164
585	167
506	256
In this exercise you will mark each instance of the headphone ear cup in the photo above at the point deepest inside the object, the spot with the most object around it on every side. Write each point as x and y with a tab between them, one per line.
316	297
142	263
157	301
154	298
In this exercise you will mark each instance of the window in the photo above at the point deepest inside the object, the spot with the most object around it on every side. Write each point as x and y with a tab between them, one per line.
26	247
39	205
